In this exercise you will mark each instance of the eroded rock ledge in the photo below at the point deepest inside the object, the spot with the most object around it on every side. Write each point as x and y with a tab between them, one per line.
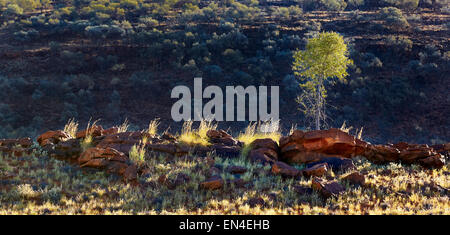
320	151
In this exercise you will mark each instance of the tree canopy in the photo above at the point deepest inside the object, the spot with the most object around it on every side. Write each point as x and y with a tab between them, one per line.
325	56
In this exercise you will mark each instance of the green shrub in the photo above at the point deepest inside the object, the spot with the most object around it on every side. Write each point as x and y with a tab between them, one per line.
393	17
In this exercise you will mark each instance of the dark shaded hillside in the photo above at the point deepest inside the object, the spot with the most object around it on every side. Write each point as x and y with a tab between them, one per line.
82	61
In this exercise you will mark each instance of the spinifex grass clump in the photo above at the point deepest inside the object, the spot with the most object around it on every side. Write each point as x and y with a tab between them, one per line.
196	136
123	127
153	127
137	154
71	128
258	130
87	141
358	133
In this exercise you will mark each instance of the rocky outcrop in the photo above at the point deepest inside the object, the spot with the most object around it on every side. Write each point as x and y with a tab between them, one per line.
381	153
319	146
108	154
321	151
123	142
406	153
313	146
110	160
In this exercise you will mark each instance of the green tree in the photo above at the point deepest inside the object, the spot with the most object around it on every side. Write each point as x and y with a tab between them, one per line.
325	57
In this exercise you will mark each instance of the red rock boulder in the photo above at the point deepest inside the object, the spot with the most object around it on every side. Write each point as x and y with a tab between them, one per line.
52	137
327	189
312	146
213	183
123	142
93	131
285	170
316	170
264	151
221	137
107	154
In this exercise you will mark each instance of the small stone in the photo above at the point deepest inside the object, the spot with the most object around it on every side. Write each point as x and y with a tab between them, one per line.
236	169
283	169
213	183
316	170
258	201
327	189
356	178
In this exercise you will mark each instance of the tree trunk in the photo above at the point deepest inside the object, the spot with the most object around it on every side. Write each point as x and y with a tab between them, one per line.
318	106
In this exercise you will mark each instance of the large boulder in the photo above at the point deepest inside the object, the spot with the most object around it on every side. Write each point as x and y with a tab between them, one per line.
413	153
313	146
111	160
123	142
264	151
93	131
221	137
382	153
108	154
405	153
265	144
52	137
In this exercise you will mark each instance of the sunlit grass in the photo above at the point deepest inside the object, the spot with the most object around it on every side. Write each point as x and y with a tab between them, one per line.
86	142
192	136
153	127
137	154
252	133
46	185
71	128
123	127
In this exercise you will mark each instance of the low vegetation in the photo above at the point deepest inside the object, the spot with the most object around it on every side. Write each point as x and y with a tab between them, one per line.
192	136
37	184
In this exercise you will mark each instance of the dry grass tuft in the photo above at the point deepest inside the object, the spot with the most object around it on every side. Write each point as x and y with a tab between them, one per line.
71	127
196	136
260	131
153	127
137	154
124	126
